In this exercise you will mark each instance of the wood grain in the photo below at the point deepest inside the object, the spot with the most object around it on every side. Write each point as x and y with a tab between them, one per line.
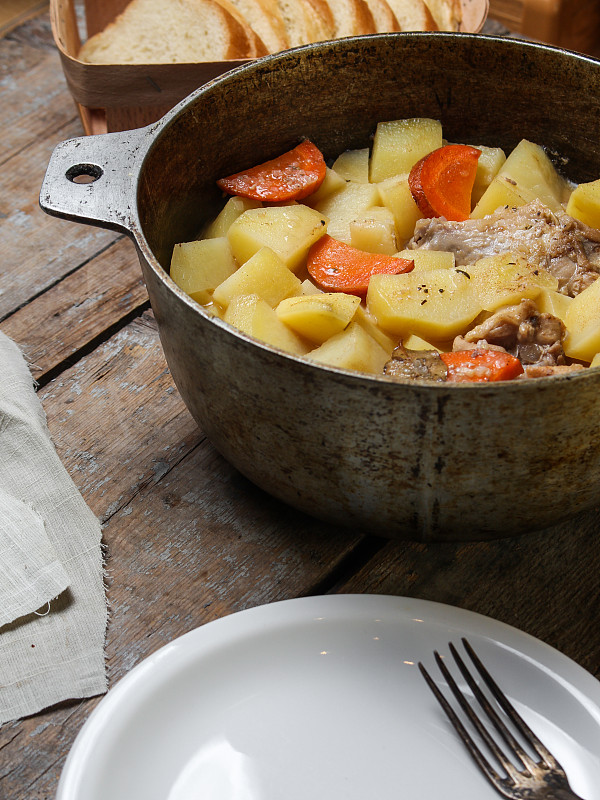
16	12
544	583
36	113
40	106
79	308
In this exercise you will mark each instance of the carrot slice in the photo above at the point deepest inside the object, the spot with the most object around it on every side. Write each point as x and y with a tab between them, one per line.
291	176
338	267
481	366
441	183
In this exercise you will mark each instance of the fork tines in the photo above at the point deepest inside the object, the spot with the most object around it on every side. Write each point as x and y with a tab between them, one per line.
530	775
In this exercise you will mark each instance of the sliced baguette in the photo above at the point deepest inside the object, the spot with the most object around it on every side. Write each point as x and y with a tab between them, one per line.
352	18
256	46
446	13
383	16
301	21
413	15
264	18
322	25
153	32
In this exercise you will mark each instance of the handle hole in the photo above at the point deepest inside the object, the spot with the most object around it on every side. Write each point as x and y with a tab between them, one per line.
84	173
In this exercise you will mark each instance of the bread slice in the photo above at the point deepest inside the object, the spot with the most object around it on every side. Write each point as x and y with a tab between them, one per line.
446	13
352	18
256	46
180	31
413	15
383	16
302	22
264	18
322	25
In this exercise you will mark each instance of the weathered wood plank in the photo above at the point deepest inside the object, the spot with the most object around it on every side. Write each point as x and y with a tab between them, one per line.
37	250
31	76
36	112
188	539
544	583
16	12
79	308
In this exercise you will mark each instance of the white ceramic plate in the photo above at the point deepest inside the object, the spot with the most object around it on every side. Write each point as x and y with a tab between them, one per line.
321	698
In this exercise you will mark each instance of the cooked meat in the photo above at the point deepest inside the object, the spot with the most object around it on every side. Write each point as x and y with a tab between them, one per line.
565	247
424	365
522	331
543	371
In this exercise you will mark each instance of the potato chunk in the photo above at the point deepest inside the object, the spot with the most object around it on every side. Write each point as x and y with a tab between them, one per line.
429	259
353	165
526	175
395	195
252	315
352	349
318	317
199	267
506	279
308	287
414	342
232	209
399	144
583	324
555	303
264	274
584	204
368	322
342	208
288	230
374	231
435	305
488	166
332	183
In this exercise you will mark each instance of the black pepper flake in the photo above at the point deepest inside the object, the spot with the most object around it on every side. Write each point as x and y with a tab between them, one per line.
423	302
462	272
441	291
536	272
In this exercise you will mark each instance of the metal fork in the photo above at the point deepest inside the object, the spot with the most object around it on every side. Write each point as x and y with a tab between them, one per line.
541	778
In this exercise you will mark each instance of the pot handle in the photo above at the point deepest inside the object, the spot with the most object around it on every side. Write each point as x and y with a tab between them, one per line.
93	179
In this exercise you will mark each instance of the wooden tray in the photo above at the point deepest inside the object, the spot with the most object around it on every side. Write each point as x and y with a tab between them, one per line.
115	97
573	24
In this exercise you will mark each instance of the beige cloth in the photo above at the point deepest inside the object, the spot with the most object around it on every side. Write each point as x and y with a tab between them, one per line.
52	600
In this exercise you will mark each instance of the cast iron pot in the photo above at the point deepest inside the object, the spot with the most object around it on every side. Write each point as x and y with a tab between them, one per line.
425	462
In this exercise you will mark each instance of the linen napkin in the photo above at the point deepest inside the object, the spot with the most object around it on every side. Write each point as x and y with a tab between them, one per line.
52	601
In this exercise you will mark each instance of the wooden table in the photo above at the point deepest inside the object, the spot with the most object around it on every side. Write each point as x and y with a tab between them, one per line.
187	538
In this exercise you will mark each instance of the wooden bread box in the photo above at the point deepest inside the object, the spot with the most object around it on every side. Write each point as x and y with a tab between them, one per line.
114	97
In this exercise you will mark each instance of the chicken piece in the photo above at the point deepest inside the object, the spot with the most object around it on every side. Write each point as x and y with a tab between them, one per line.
560	244
545	371
522	331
